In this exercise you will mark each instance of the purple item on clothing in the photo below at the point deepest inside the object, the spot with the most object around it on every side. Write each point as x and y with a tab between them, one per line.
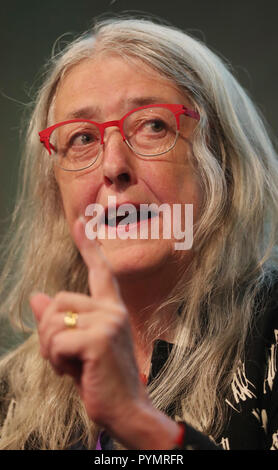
98	446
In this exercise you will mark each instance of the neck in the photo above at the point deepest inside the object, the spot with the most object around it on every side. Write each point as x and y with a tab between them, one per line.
142	299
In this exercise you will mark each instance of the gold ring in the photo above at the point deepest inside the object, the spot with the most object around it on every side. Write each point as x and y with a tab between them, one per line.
70	319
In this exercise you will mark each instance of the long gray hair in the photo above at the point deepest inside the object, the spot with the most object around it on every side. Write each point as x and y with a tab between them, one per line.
234	242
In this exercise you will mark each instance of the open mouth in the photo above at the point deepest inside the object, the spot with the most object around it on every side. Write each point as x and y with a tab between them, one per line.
129	217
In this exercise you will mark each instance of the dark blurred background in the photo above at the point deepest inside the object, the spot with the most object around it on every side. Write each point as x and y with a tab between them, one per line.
244	32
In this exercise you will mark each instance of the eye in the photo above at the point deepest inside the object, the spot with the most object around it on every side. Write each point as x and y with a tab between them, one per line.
156	125
84	138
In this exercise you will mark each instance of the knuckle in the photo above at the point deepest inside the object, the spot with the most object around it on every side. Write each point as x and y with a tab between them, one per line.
118	309
55	346
46	324
95	360
41	329
42	351
118	324
60	297
102	338
111	331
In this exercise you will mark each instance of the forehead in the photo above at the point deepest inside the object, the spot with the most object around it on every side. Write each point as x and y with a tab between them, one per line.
111	85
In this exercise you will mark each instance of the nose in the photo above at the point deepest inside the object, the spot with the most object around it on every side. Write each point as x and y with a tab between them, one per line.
118	162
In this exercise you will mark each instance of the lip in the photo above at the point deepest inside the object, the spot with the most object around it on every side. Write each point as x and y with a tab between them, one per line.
120	229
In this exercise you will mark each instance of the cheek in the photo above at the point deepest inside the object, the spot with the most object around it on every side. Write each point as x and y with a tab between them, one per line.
179	184
76	195
176	183
71	202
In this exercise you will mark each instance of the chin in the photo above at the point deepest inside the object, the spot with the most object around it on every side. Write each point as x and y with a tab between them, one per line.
136	258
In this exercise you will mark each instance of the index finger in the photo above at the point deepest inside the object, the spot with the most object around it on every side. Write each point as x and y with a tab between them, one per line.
102	282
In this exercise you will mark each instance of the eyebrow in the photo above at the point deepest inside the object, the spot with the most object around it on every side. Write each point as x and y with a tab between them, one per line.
88	112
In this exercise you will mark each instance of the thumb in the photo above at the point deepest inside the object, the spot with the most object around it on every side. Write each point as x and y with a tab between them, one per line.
39	302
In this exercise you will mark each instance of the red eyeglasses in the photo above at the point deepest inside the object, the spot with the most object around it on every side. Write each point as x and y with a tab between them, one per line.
149	131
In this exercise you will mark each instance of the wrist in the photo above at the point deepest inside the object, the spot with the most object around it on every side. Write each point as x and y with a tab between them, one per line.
145	428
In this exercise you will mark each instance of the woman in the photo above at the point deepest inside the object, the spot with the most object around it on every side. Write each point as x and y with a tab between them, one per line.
198	324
